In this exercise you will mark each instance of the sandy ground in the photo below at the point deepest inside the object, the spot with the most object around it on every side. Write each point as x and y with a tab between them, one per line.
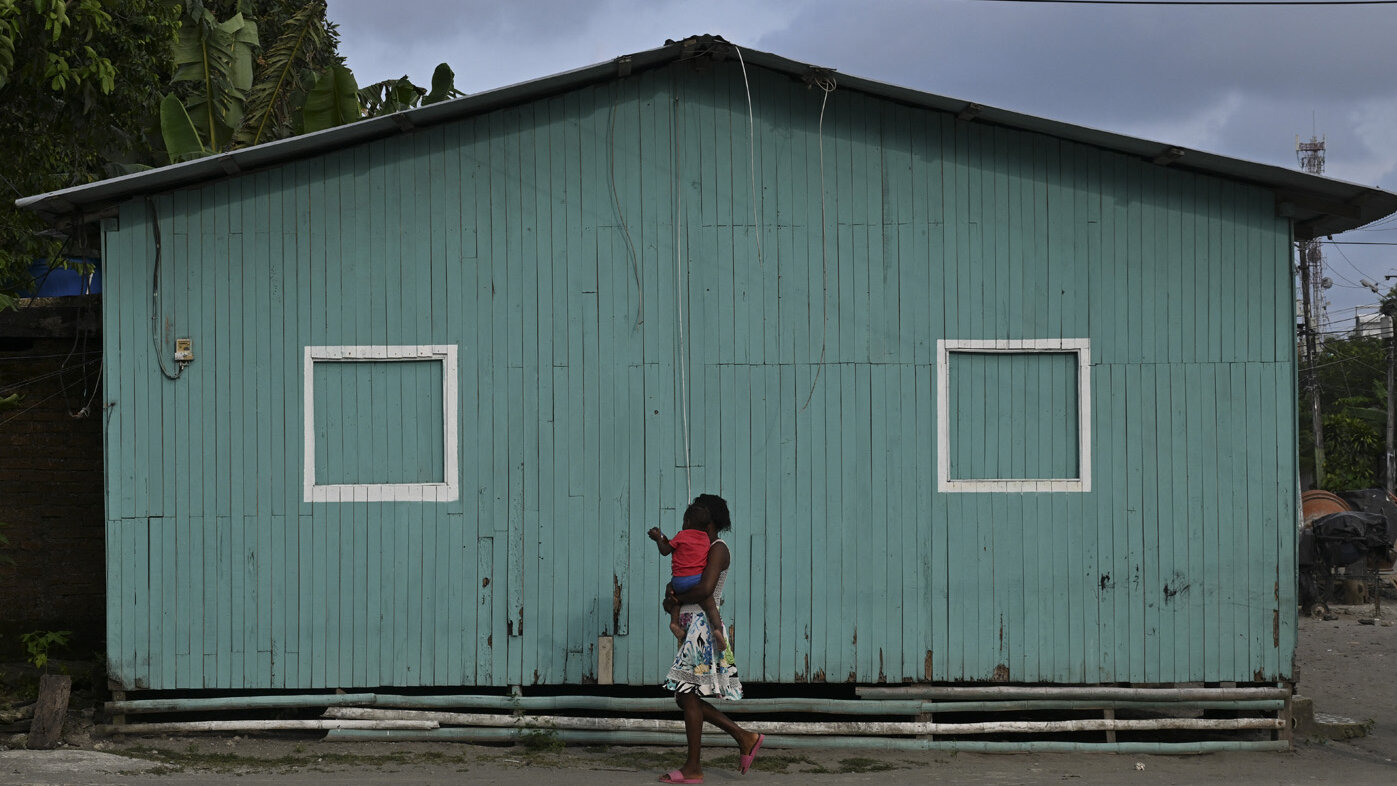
1344	666
1350	669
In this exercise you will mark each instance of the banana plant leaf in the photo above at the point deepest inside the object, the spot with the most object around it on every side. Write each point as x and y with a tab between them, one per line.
8	30
217	56
284	77
443	85
243	35
389	96
182	142
333	101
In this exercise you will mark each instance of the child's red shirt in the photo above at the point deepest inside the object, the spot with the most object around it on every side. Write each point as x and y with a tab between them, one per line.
690	552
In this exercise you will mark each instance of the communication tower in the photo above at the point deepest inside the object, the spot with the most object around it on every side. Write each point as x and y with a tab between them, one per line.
1311	157
1311	268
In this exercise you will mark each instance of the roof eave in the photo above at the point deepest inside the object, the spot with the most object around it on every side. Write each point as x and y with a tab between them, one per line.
1317	206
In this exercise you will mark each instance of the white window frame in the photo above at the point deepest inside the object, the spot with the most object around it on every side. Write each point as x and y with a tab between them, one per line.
446	491
1081	347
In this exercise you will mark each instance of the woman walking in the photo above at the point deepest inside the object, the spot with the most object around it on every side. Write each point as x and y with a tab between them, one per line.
699	672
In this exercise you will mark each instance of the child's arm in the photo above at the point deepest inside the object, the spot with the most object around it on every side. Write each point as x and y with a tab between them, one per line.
661	540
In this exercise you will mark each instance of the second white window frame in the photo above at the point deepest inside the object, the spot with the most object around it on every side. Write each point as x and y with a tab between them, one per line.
1079	346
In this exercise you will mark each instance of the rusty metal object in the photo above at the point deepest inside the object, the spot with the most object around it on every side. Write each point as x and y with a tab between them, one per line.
1314	504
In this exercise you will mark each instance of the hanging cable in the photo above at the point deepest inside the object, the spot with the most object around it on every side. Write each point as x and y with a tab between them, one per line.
751	155
826	83
33	406
616	201
28	358
155	309
47	375
679	289
79	336
86	410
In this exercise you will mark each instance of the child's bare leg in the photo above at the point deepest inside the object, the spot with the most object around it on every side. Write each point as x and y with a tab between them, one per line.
720	639
674	626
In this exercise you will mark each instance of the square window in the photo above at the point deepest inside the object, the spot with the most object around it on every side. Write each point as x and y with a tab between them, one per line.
1014	416
380	424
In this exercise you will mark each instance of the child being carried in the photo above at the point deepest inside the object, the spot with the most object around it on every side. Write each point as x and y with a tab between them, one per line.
688	552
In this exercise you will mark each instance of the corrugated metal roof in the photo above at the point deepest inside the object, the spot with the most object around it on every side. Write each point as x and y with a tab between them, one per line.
1318	205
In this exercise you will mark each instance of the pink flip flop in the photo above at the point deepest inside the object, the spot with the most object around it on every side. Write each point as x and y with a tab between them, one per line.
744	763
676	776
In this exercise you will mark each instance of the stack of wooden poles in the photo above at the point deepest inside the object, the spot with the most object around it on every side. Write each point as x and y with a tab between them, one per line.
1246	718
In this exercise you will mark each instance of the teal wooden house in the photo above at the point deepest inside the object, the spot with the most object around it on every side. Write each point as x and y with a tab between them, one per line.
992	397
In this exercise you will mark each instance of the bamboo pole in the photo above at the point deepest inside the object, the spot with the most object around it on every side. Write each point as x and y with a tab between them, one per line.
508	721
865	743
1085	693
816	727
610	704
264	725
1264	705
135	707
830	706
605	703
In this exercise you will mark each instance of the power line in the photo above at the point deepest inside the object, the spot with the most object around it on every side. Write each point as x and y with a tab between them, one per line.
1350	264
1203	2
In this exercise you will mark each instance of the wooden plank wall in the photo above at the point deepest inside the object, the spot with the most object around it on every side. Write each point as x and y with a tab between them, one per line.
644	310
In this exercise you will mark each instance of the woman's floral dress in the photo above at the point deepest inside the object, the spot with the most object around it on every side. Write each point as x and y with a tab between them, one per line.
698	668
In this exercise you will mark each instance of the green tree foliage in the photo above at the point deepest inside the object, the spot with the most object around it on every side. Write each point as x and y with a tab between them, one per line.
333	101
395	95
1352	378
78	84
243	70
308	45
216	58
300	83
94	87
38	643
1353	451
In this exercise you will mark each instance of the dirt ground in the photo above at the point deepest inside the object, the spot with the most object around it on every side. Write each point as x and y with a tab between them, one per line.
1350	669
1346	668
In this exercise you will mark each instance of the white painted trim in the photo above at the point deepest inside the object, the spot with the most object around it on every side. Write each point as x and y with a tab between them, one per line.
448	490
1079	346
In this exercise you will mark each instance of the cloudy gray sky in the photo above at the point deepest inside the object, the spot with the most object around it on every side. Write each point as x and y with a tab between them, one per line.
1240	81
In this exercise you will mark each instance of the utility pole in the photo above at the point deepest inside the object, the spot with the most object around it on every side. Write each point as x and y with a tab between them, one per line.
1389	455
1310	380
1311	263
1391	405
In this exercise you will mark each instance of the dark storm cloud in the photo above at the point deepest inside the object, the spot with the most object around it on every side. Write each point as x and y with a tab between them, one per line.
1111	66
1240	81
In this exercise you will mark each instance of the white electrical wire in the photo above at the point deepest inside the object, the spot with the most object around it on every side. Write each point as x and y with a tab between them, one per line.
679	293
616	202
751	155
828	85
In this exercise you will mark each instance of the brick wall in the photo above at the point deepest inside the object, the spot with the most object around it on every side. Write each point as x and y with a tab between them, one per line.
51	475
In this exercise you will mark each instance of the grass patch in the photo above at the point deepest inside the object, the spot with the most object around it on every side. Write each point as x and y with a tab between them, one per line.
542	740
860	764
